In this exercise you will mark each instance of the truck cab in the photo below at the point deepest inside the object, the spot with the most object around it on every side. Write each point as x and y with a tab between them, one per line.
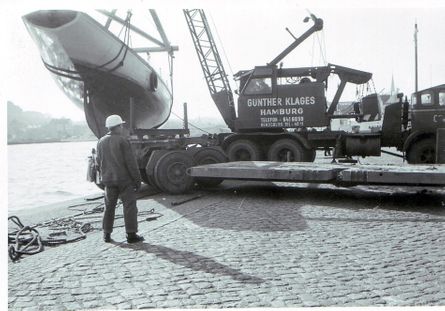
427	116
428	109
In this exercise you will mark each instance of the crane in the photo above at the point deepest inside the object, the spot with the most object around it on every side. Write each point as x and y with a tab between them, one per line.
211	64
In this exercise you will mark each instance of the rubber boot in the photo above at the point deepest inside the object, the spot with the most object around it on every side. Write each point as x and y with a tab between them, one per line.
132	237
107	237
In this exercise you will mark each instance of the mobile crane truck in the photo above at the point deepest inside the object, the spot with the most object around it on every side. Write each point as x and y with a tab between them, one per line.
283	114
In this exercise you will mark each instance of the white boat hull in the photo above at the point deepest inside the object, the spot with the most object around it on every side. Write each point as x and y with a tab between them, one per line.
97	71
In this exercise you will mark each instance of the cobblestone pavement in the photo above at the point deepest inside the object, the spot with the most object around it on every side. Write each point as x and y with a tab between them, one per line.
252	245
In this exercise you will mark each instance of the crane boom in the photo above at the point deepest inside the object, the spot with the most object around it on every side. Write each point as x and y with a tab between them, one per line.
318	25
211	64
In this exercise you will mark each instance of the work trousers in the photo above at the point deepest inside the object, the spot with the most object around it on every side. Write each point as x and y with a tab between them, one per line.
130	210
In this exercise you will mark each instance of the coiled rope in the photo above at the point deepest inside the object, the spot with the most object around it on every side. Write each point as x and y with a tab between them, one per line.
27	240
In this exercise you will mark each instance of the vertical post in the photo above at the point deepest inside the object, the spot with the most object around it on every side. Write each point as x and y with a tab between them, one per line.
415	57
440	146
132	125
186	120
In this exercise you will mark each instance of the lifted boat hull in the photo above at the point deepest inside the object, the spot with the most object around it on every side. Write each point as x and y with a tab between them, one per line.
98	71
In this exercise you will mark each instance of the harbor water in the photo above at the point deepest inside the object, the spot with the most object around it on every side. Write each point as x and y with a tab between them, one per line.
42	174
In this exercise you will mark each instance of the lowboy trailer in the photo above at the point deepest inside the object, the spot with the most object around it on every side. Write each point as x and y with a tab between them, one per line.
340	174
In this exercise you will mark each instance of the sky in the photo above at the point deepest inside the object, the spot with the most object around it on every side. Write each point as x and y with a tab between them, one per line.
377	38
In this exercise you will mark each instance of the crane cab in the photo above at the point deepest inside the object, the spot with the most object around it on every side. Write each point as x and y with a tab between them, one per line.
271	97
279	98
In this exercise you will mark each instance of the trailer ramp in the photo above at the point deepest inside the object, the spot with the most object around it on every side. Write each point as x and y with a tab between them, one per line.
332	173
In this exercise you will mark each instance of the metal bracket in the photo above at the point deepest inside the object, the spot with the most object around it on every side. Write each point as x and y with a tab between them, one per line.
162	45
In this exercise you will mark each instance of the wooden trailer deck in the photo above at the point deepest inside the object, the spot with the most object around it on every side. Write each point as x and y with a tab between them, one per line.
339	174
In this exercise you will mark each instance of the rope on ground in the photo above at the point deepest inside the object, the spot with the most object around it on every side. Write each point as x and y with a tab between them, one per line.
27	240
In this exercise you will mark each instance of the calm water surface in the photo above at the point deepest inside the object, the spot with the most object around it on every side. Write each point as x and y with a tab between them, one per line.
41	174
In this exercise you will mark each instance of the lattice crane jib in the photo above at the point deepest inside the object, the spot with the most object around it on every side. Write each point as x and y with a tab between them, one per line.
211	64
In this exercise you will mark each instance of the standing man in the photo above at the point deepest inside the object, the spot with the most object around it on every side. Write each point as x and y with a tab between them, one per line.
121	178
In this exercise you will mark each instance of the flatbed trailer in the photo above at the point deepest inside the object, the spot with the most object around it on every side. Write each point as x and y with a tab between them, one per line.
340	174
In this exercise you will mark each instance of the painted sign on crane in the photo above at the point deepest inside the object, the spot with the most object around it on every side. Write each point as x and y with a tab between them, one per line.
289	106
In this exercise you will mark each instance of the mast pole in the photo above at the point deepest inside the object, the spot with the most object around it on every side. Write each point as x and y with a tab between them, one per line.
415	56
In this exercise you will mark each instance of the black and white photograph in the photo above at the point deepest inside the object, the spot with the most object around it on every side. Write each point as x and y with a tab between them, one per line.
223	155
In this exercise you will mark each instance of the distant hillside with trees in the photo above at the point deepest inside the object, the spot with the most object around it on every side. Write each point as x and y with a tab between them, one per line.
35	127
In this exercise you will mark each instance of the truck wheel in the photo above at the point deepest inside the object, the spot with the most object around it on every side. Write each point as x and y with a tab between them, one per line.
243	150
287	150
150	167
143	176
310	155
209	156
170	172
422	152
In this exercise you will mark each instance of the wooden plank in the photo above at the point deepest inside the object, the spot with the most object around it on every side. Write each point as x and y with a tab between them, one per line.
264	170
432	175
343	174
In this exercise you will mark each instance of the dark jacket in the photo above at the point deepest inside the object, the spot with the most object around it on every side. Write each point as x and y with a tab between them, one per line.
116	162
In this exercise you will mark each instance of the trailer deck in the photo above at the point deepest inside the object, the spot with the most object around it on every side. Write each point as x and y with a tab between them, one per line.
332	173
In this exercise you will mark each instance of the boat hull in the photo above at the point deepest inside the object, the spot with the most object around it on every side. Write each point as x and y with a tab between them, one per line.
98	71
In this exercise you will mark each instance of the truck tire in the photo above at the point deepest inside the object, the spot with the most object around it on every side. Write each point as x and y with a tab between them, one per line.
287	150
170	172
143	176
422	152
243	150
310	155
150	167
209	156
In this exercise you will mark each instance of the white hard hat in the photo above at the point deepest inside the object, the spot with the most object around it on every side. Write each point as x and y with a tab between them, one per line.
113	121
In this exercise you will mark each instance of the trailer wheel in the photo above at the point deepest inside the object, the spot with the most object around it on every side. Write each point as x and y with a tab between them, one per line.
143	175
422	152
209	156
287	150
150	167
310	155
170	172
243	150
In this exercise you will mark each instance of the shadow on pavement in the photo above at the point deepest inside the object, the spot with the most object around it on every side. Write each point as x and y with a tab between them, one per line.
269	207
374	220
408	199
192	261
262	211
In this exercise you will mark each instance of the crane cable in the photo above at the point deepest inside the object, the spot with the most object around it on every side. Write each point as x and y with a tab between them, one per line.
323	47
222	46
189	123
170	67
321	44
